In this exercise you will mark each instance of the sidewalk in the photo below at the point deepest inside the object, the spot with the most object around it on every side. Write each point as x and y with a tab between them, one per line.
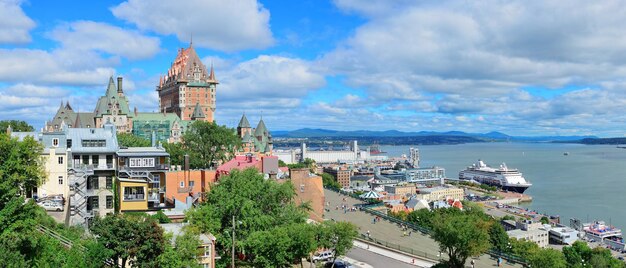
394	255
388	231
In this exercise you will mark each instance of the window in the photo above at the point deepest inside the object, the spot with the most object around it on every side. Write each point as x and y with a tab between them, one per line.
95	160
109	183
94	143
69	142
55	142
93	202
60	160
92	183
109	201
182	184
85	160
207	251
191	183
134	193
60	179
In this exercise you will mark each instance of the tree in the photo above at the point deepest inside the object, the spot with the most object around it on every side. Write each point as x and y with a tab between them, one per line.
251	203
184	253
460	235
209	143
130	140
498	237
281	163
522	248
544	220
137	239
177	153
16	125
548	258
338	236
329	181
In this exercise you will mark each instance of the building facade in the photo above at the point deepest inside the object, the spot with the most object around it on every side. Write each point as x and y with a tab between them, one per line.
309	188
188	83
113	108
91	172
141	178
342	176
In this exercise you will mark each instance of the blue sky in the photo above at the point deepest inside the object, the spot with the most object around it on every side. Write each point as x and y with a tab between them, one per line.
538	68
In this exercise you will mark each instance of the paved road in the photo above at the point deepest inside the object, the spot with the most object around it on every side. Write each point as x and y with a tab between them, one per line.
374	260
390	232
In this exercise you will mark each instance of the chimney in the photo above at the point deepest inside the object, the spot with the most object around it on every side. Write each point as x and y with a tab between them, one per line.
119	84
186	162
153	139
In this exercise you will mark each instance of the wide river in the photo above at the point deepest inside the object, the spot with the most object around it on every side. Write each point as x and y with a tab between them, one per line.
588	184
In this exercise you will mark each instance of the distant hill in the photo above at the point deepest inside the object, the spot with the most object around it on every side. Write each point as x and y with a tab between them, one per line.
614	141
490	136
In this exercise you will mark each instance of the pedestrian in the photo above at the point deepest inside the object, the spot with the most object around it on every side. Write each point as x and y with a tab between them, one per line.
410	233
499	261
472	262
404	234
368	233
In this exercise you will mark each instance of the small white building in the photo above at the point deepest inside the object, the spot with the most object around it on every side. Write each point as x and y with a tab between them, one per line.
531	231
563	235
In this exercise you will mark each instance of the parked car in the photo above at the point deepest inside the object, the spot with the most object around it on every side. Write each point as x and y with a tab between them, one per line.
338	264
322	256
51	205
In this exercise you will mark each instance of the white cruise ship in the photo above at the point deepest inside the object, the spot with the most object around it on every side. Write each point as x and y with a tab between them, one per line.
503	177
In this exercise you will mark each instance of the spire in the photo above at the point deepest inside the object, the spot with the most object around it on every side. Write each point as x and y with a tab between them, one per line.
111	90
212	75
197	112
67	105
191	40
243	123
260	128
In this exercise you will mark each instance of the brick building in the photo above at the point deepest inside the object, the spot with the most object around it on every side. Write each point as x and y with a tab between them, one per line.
342	176
187	84
309	188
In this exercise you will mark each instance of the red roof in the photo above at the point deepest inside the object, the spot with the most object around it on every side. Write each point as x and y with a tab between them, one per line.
240	162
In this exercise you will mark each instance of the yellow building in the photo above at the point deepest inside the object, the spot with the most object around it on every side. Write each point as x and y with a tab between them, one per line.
441	193
132	194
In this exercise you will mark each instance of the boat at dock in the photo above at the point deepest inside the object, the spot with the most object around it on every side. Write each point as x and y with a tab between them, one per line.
508	179
375	149
609	235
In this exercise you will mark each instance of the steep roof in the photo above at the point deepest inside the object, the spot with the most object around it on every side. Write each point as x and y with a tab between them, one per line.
64	113
84	120
197	112
185	65
243	123
112	100
260	130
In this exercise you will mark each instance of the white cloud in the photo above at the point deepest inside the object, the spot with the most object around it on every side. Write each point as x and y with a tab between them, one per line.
14	24
268	77
102	37
222	25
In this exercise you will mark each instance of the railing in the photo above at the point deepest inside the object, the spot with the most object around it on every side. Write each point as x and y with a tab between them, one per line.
411	251
134	197
369	209
153	194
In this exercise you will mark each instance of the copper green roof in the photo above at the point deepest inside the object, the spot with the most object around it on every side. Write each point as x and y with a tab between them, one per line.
243	123
260	130
111	100
197	112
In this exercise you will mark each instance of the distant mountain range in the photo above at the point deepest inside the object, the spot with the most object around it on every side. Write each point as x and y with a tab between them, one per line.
490	136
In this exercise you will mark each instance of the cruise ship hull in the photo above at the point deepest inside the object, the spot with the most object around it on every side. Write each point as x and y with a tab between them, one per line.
517	189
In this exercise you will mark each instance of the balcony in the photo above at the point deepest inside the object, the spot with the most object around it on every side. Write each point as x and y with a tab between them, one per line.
91	167
156	167
134	197
154	194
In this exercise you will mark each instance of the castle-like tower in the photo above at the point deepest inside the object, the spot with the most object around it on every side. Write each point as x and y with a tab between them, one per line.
186	85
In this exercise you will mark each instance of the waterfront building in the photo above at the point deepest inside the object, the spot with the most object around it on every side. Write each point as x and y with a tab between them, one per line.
187	84
91	170
206	249
562	235
342	176
441	193
530	231
141	178
400	190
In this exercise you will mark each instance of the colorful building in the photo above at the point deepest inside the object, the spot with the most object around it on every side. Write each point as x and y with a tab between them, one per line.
187	84
141	178
166	126
188	186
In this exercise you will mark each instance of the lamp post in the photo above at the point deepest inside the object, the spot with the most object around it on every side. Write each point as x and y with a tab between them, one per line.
232	263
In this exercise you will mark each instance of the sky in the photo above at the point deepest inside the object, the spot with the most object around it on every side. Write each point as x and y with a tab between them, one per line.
519	67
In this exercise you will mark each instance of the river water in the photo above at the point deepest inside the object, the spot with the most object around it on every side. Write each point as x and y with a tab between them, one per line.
588	184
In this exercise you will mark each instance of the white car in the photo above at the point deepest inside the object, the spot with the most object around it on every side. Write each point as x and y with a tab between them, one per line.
322	256
51	205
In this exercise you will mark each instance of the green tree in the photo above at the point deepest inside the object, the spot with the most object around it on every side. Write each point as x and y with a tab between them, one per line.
422	217
160	217
209	143
130	140
177	153
137	239
329	181
544	220
460	235
16	125
522	248
338	236
498	237
281	163
184	253
548	258
248	201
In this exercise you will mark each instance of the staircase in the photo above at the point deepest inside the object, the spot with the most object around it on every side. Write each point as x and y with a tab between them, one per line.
68	243
78	194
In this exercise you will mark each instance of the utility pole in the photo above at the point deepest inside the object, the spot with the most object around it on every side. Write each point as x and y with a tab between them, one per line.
232	264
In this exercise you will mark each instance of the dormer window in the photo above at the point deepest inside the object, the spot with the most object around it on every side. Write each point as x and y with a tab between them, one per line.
55	142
